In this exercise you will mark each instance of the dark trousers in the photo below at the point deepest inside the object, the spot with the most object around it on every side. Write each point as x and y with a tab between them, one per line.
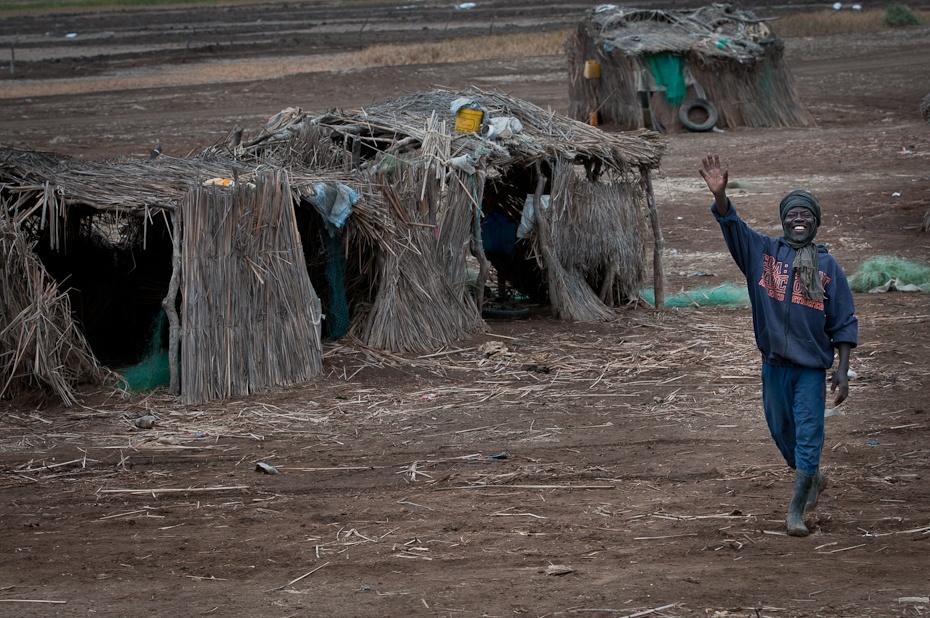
793	399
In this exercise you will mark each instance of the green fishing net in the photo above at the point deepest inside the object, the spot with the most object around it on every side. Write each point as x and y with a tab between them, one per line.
152	370
724	295
337	318
881	273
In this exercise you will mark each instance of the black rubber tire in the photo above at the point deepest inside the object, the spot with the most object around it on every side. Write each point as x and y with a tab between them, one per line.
710	110
504	311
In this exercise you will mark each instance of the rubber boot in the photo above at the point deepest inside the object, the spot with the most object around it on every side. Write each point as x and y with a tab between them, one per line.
802	487
819	484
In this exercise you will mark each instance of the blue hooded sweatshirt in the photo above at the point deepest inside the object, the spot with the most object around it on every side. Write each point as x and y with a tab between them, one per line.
790	329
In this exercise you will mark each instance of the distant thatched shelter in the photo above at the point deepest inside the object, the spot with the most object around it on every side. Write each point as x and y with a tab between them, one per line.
443	185
713	66
210	241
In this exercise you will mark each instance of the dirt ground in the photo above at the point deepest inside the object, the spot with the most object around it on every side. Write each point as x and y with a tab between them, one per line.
619	469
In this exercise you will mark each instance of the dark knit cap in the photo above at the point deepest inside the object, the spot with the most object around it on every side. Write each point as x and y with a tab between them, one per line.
802	198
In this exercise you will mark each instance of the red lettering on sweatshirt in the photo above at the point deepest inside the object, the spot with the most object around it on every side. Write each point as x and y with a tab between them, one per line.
774	277
797	296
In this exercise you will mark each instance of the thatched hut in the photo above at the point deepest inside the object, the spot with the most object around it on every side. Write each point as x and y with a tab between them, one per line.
383	208
442	183
211	242
712	66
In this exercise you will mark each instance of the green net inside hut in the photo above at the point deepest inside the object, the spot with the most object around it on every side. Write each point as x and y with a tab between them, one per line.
716	66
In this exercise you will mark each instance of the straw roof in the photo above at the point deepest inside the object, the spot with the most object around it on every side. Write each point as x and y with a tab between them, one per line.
401	124
716	31
130	186
544	133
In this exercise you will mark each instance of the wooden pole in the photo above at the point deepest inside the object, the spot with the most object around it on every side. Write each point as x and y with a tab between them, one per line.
658	272
169	304
542	230
477	249
606	294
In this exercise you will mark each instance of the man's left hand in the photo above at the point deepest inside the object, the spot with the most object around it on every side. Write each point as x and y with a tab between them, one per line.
840	386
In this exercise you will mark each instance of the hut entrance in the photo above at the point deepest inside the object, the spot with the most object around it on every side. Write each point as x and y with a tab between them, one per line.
506	239
115	268
327	257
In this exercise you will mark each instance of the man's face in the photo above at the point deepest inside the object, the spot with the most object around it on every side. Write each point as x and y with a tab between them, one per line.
799	223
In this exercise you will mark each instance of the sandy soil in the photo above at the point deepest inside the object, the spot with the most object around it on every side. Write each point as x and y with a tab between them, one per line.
618	469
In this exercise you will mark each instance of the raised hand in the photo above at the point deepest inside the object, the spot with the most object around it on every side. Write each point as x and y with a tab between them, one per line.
716	178
714	175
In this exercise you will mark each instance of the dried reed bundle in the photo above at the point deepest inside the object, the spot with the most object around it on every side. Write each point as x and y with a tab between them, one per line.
417	306
47	184
129	185
456	223
251	318
609	100
761	94
597	228
570	295
40	346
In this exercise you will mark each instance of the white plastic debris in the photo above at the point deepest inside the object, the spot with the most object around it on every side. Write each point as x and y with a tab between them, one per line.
896	285
837	6
502	126
558	569
263	467
461	102
465	163
145	422
528	216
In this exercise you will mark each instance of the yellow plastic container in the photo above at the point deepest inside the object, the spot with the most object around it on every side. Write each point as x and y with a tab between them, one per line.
468	120
592	69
